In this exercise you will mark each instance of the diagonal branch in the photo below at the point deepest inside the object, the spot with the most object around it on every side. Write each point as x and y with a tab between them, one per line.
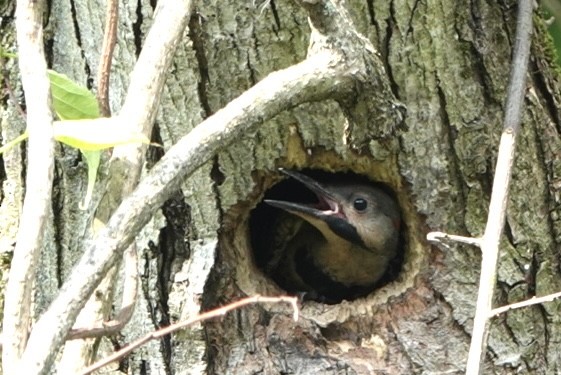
336	71
308	81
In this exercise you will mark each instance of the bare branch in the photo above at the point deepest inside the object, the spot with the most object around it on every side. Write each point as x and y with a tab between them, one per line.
39	180
503	170
528	302
441	237
104	69
199	318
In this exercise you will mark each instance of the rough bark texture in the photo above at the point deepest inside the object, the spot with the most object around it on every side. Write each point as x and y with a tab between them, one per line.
448	63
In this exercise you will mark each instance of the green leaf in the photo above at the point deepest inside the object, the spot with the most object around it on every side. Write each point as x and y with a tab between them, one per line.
5	54
92	159
74	104
95	135
13	142
70	100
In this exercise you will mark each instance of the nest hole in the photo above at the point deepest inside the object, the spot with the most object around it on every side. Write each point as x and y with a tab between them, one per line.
267	221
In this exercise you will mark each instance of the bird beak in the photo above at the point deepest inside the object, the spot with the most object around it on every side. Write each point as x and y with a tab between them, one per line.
328	205
326	215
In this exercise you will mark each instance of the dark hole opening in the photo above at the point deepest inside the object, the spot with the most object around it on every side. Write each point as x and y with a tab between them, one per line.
270	227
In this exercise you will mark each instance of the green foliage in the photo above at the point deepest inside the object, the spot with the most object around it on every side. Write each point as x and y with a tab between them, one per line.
555	31
14	142
93	159
95	136
70	100
553	10
6	54
74	102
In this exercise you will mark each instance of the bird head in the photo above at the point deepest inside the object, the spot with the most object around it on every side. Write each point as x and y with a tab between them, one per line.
355	212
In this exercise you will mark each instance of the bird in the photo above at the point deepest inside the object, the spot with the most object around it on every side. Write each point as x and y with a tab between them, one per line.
338	247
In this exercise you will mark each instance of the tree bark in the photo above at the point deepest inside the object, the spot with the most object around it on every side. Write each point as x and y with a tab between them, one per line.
447	63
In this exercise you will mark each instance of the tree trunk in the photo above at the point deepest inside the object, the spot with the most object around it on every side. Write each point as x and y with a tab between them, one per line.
448	63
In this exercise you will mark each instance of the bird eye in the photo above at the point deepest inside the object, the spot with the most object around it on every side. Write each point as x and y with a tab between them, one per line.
360	204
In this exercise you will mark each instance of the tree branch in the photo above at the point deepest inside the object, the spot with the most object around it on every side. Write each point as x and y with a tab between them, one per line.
218	312
503	170
440	237
529	302
39	180
104	69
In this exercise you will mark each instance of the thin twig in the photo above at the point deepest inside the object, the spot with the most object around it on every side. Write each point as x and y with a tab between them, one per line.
528	302
199	318
39	180
129	299
104	69
503	170
441	237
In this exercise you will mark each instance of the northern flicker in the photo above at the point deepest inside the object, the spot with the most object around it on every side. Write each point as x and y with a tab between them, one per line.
343	243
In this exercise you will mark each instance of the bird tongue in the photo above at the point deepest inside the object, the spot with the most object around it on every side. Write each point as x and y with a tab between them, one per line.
328	206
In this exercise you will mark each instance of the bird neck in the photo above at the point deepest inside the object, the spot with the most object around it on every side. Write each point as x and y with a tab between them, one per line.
348	263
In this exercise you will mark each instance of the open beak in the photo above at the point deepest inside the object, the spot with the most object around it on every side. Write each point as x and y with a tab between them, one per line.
326	215
327	205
